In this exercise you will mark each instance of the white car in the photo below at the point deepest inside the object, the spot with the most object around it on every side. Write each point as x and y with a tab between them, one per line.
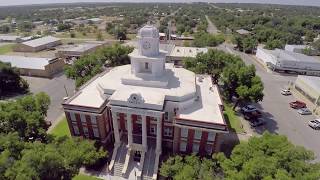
286	92
248	109
304	111
315	124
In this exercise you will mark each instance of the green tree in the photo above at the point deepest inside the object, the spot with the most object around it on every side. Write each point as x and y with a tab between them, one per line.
249	44
269	157
273	44
59	159
189	168
90	65
10	80
316	45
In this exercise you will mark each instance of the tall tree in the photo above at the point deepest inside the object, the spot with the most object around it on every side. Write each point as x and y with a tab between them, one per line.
269	157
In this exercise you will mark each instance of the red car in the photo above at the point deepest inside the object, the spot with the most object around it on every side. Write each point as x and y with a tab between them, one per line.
297	105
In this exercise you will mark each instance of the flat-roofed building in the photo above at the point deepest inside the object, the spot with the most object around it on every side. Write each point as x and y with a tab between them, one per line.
74	52
32	66
147	108
302	49
9	38
309	86
178	53
287	61
39	44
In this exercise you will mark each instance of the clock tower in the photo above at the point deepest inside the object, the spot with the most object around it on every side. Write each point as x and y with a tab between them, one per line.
148	39
148	61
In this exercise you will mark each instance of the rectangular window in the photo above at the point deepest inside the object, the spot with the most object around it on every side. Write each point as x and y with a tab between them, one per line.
96	132
183	146
166	116
211	136
209	148
153	129
146	66
75	129
73	117
184	132
93	119
168	131
197	135
85	131
83	118
195	147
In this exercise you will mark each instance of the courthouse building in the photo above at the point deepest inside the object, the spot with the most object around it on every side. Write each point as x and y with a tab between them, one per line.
146	109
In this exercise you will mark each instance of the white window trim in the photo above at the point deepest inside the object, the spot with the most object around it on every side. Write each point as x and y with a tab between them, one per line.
75	129
83	118
182	133
183	146
211	136
73	117
155	129
167	132
197	135
93	119
96	132
195	150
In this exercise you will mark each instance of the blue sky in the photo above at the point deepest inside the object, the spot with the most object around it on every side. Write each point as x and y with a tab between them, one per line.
294	2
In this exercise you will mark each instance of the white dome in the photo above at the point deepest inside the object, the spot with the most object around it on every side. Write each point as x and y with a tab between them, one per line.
148	31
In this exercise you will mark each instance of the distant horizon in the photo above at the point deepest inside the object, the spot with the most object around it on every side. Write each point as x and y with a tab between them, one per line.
315	3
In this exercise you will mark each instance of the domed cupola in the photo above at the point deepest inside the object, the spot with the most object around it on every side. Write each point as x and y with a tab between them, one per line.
148	37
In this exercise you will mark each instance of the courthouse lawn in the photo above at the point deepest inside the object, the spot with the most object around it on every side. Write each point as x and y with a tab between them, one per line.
232	119
61	129
6	48
85	177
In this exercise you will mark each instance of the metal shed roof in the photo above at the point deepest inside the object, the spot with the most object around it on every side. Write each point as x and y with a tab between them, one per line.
41	41
26	62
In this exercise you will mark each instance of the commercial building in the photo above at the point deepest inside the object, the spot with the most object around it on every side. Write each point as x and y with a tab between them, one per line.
147	108
301	48
9	38
38	44
74	52
31	66
286	61
178	53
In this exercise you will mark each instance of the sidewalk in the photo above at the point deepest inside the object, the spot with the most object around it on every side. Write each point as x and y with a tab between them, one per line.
54	124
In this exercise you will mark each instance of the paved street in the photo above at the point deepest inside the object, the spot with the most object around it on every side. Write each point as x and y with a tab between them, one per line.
212	29
55	89
281	118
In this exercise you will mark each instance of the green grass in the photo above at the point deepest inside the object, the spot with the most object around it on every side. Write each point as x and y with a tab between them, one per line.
84	177
61	129
232	119
6	48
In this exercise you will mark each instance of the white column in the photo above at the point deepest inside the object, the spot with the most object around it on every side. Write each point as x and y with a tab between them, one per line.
159	134
144	132
115	128
129	129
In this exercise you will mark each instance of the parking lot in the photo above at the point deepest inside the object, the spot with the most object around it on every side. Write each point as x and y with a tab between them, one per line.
280	117
57	88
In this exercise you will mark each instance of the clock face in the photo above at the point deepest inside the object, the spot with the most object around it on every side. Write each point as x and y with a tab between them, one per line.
146	45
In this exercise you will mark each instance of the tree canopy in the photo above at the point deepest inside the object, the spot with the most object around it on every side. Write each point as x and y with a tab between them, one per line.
90	65
10	80
26	116
237	79
267	157
59	159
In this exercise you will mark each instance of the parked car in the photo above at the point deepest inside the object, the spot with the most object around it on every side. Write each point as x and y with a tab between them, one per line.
257	122
304	111
297	104
248	108
286	92
252	115
315	124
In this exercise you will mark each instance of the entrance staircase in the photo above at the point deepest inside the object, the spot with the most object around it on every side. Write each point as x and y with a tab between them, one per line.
120	160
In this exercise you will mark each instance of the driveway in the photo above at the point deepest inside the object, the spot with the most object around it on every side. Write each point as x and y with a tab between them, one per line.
57	88
281	118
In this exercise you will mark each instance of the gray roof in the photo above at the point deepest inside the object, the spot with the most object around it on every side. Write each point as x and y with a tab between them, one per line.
243	31
41	41
292	56
82	47
26	62
9	37
312	81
